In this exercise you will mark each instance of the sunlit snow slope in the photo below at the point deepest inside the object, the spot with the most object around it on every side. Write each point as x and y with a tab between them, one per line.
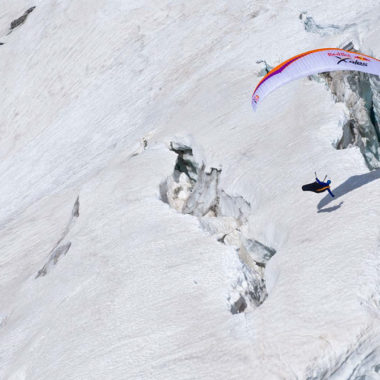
100	277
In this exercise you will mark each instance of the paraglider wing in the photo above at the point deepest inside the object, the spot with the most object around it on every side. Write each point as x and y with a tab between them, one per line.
313	62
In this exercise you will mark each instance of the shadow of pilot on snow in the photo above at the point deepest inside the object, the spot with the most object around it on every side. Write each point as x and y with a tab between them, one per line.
330	209
350	184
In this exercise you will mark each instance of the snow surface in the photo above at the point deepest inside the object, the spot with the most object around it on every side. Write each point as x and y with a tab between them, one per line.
101	279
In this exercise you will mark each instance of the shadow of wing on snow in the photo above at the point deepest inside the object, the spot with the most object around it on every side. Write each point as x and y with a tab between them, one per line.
350	184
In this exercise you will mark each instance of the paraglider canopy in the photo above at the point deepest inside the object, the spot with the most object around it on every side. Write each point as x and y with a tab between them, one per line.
313	62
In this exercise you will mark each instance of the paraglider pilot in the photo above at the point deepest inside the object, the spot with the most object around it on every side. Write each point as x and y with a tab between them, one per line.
318	186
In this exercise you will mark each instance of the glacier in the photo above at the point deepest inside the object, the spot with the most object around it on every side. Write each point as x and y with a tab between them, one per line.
152	226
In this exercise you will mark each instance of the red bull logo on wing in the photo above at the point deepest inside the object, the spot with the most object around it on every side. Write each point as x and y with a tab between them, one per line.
339	54
256	98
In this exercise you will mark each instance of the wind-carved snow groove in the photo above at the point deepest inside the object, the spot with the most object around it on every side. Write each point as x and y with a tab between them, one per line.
356	361
323	30
361	127
61	248
19	21
142	145
195	189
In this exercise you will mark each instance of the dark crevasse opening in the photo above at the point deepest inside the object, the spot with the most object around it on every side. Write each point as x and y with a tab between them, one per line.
359	92
195	189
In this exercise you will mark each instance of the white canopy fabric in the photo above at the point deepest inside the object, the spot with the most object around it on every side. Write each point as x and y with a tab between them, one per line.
313	62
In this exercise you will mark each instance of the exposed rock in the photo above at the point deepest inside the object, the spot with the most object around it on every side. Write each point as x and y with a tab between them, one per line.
60	249
19	21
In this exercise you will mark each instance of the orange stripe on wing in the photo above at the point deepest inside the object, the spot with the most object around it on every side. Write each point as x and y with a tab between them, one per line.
302	55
